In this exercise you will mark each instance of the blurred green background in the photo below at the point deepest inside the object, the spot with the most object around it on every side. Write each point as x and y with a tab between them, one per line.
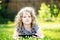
47	17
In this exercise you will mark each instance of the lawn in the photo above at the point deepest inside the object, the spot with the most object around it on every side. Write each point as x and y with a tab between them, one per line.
51	31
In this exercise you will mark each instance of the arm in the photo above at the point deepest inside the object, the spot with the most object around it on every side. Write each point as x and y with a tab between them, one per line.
39	34
15	33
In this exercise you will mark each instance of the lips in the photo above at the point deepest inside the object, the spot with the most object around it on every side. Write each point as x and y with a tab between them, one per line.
27	20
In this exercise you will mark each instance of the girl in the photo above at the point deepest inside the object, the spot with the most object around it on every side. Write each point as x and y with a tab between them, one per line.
25	23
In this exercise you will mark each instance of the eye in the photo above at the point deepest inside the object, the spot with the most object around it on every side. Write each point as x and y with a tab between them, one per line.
24	17
29	16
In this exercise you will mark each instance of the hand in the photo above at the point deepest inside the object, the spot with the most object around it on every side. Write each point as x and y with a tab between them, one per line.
33	36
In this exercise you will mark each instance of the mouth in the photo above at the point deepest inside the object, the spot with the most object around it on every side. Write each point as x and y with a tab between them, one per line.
27	20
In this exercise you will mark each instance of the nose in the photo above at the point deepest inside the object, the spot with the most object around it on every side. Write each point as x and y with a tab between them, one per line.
27	18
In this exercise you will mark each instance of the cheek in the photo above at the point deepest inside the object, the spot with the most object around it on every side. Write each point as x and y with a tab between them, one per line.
23	20
30	20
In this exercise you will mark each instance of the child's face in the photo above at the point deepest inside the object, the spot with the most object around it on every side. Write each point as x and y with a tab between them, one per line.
26	19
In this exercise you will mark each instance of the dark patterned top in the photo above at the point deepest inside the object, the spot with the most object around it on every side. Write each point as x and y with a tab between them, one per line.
25	32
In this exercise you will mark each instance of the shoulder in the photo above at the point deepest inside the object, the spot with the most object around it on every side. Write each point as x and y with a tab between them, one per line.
17	28
36	27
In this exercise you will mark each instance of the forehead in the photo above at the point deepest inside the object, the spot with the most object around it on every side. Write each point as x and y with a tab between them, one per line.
26	13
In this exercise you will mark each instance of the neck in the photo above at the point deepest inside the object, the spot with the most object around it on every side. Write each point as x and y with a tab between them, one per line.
27	26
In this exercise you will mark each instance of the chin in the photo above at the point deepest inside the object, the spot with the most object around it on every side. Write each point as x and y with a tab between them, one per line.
27	23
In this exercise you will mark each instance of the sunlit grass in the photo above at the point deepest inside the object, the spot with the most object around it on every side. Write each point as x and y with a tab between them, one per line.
6	32
53	34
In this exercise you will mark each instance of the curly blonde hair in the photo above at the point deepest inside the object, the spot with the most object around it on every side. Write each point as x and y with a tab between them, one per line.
18	18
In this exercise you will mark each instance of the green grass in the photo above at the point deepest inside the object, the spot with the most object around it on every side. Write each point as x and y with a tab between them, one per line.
6	32
50	30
